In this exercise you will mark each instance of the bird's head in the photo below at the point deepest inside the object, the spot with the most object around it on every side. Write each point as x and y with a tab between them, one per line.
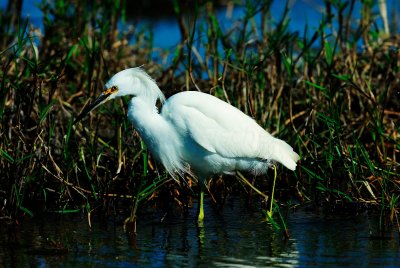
133	81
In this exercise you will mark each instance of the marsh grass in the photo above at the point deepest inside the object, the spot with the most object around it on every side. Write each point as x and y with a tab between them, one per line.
332	93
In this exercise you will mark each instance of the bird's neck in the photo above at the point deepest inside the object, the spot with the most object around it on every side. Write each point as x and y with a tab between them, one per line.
146	120
142	110
161	139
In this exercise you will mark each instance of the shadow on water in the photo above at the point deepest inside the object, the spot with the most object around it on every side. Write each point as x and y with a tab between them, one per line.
234	237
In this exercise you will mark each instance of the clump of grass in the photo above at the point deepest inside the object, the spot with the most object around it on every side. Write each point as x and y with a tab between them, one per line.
332	94
47	163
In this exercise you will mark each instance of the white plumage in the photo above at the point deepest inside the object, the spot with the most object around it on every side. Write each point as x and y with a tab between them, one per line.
195	132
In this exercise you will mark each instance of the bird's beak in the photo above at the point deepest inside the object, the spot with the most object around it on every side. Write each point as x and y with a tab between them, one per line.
100	100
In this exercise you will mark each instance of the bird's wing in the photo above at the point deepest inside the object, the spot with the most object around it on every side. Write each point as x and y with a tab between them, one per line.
216	125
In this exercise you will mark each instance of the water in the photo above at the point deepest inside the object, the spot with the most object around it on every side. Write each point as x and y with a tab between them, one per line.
235	237
303	14
167	34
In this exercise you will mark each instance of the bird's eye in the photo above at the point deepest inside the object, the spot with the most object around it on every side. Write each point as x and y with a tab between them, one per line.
111	90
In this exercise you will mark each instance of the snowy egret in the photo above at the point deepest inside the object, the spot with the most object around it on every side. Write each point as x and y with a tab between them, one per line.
195	133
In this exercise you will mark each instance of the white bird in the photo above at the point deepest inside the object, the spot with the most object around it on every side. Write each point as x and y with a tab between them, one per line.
195	133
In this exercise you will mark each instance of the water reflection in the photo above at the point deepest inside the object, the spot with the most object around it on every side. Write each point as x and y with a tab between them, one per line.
236	237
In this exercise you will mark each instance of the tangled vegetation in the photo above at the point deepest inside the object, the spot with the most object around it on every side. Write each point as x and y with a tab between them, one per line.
333	93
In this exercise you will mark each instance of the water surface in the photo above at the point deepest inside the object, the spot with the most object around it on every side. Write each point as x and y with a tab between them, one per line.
236	237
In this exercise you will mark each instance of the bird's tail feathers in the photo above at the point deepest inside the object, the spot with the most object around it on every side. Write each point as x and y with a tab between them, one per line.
284	154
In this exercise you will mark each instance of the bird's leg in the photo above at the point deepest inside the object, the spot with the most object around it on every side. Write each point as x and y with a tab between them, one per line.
273	192
201	206
200	217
